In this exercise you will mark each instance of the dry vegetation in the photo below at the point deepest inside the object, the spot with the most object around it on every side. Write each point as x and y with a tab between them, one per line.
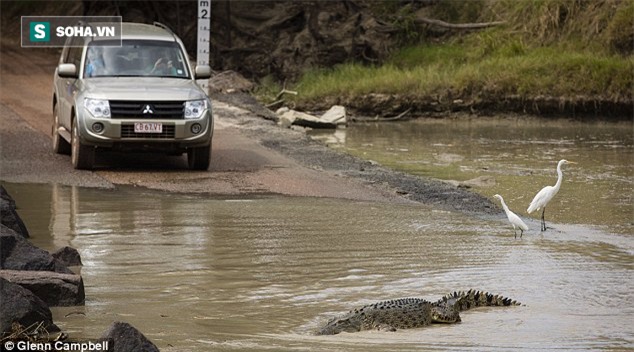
561	54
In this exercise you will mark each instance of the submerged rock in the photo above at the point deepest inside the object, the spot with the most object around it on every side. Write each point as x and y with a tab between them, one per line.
126	338
479	182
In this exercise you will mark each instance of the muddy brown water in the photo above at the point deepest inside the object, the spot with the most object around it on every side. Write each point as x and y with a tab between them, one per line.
262	273
519	155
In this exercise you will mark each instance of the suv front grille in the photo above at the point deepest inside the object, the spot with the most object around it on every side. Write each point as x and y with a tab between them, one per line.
127	131
128	109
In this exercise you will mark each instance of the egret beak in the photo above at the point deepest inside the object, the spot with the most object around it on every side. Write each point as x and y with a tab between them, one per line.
571	162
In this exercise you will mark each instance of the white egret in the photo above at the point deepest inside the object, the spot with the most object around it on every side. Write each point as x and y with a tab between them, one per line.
547	193
513	218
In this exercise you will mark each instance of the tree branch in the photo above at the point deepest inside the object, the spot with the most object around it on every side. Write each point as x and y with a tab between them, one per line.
424	20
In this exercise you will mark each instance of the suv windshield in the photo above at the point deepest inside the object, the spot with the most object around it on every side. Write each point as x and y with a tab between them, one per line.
134	58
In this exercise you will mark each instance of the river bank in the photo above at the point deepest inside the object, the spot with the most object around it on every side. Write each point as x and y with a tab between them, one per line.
547	58
415	106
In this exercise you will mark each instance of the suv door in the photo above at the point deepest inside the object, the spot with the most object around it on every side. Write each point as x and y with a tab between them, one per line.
67	87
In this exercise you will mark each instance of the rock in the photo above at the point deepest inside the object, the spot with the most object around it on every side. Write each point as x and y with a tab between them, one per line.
4	195
244	101
230	82
126	338
480	181
53	288
282	110
286	117
336	114
12	220
9	216
454	183
68	256
297	118
16	253
20	305
448	158
329	138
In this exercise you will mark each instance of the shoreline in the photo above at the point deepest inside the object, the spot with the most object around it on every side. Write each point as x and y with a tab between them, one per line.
316	155
585	109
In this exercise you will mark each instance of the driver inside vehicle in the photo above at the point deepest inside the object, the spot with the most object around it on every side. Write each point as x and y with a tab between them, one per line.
163	67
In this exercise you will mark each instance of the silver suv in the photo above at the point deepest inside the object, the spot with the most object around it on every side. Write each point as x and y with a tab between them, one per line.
137	94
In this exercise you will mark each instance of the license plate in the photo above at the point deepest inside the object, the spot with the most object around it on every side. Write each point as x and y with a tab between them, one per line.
148	127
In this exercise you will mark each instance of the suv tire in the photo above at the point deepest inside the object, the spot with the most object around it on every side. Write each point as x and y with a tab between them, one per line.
198	157
60	145
82	156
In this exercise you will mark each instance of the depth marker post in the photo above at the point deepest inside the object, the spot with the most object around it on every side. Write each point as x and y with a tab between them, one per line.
204	29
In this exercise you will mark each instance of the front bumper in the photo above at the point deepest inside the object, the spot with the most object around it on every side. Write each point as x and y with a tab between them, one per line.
177	134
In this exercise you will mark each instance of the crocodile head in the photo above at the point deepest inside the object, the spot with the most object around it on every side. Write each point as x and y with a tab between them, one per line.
443	314
337	325
446	311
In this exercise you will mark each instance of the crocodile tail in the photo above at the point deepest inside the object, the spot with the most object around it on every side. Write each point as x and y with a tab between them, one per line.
473	298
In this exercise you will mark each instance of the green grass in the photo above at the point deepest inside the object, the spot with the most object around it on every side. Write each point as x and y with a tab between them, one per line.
462	71
559	48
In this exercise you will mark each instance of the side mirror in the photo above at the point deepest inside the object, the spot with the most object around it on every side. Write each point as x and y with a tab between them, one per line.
202	72
67	70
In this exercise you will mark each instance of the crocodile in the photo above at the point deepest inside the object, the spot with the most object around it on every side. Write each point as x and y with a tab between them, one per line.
409	313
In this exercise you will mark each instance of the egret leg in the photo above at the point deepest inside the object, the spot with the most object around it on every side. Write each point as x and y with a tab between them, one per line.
521	233
543	220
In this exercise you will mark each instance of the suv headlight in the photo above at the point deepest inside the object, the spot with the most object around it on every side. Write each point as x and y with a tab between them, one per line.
195	108
97	107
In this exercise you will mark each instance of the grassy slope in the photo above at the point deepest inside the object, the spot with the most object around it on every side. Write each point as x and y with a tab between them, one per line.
575	51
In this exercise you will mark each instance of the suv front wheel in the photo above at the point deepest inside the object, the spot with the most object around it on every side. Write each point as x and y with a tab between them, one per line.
198	157
82	156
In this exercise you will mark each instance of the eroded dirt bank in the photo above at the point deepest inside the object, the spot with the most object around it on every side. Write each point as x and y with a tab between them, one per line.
578	107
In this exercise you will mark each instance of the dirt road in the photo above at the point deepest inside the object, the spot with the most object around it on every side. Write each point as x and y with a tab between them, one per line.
240	165
249	154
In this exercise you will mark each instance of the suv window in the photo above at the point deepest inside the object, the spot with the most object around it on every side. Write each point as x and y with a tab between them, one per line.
74	52
149	58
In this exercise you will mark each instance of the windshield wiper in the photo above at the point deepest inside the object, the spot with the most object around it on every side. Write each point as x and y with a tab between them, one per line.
170	76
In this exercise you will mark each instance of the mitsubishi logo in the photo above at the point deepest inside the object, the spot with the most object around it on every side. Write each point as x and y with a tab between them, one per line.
148	109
